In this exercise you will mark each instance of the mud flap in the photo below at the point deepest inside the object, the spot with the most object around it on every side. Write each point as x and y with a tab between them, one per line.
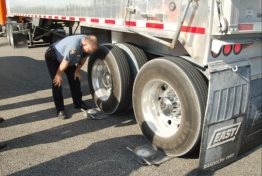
226	114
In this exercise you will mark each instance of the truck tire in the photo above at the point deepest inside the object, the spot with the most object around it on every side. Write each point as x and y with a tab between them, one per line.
169	101
12	29
109	79
135	56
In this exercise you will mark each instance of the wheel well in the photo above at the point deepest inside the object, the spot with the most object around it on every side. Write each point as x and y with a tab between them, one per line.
104	36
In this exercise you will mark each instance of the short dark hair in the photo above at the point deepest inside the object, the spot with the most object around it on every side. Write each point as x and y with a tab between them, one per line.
90	38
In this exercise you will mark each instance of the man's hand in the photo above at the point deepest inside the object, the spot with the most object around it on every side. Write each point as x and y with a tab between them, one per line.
58	77
77	74
78	68
58	80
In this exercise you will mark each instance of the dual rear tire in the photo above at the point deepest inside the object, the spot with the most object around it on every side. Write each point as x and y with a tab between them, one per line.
168	95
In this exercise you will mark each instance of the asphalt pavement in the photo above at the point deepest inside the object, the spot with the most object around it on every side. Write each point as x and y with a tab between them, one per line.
41	144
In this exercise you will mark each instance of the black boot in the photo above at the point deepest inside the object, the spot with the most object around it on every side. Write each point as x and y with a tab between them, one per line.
62	115
82	106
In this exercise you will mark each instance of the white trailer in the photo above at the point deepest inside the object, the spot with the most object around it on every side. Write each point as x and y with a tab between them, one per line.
191	70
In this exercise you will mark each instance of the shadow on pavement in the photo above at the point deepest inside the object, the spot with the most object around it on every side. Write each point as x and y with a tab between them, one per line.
109	157
22	75
65	131
26	103
39	115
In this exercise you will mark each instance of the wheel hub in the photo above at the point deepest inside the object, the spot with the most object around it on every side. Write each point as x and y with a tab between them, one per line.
101	80
166	106
161	107
106	80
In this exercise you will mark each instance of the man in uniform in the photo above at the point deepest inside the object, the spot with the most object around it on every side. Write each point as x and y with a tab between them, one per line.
69	55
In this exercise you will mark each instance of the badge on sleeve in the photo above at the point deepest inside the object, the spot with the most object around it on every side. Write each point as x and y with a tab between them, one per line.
74	52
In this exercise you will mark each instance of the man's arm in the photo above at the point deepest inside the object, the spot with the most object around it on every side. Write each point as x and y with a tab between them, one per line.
58	77
81	63
78	68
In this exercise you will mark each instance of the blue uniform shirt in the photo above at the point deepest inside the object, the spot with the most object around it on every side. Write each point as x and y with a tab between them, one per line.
70	49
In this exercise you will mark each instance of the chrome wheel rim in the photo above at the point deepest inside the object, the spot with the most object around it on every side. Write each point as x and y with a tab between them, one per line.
101	80
161	108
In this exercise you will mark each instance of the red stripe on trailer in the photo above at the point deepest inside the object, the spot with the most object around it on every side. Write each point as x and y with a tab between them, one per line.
110	21
72	18
95	20
50	17
82	19
130	23
195	30
245	27
56	17
63	18
155	25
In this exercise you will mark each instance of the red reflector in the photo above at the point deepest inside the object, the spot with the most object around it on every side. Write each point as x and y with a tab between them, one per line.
94	20
155	25
72	18
245	27
108	21
237	48
130	23
227	50
82	19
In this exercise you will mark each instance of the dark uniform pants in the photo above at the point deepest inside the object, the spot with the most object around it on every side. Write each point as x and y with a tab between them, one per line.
75	87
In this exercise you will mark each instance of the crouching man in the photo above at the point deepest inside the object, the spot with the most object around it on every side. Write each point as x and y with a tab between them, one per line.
68	56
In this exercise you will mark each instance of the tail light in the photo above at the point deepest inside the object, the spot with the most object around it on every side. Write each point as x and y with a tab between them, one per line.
227	50
237	48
